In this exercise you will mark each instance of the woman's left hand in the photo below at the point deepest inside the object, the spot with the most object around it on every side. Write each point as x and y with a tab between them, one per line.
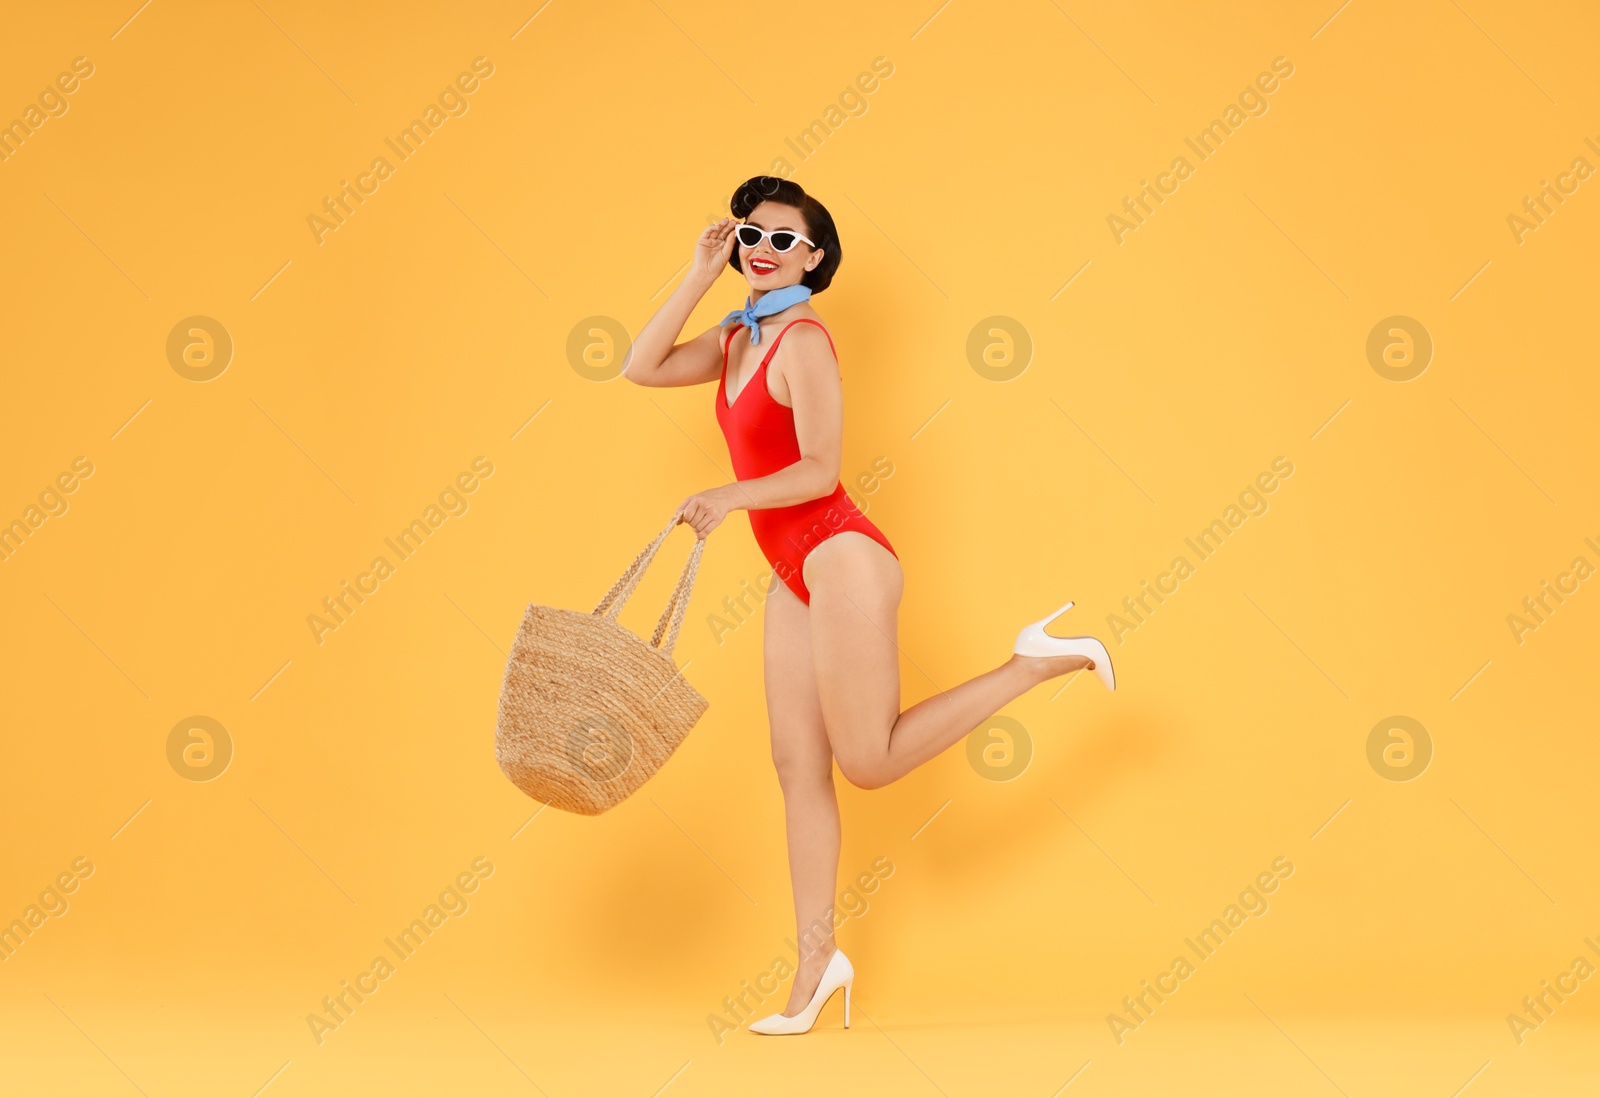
704	511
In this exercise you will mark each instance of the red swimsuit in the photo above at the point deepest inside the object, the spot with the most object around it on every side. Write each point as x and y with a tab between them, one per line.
761	440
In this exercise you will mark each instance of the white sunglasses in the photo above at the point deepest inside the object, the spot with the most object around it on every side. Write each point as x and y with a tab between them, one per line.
782	239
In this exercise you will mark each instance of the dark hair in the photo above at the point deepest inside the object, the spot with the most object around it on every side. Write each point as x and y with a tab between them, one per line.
819	223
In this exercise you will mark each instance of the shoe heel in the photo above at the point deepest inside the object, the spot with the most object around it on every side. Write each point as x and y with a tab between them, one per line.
847	1004
1054	614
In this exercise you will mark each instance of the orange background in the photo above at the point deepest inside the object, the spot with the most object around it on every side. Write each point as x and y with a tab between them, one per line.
1163	374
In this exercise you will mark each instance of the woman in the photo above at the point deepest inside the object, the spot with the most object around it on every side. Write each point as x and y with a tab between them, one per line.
832	669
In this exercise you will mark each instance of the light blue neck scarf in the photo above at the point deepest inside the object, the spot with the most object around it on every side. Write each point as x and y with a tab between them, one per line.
773	301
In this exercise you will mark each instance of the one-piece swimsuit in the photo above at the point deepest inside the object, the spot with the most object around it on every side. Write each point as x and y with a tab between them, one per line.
761	440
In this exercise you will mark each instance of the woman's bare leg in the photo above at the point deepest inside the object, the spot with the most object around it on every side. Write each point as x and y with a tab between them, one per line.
855	586
804	761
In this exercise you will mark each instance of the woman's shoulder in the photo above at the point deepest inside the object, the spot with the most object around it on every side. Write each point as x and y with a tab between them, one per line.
814	336
805	311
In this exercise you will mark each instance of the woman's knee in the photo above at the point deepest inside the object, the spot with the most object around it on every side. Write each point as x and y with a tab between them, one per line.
799	771
861	773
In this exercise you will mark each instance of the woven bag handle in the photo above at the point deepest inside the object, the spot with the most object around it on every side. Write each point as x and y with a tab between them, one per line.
679	602
622	590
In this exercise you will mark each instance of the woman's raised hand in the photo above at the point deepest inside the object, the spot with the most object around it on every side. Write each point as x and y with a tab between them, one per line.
712	250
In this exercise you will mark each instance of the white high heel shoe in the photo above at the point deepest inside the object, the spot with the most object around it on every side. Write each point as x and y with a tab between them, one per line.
838	973
1034	641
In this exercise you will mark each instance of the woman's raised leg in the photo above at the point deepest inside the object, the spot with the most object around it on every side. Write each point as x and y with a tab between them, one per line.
855	586
804	761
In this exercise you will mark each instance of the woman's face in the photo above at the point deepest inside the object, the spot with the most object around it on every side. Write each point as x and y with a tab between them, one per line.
764	267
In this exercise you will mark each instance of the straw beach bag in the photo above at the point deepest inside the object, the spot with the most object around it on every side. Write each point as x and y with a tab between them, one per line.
588	710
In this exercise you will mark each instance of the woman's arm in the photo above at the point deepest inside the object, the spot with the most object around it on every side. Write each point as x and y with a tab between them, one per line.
653	359
817	397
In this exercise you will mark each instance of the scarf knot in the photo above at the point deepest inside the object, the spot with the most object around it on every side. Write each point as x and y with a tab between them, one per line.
773	301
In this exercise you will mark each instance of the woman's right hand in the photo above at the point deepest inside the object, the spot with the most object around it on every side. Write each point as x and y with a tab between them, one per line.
712	250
